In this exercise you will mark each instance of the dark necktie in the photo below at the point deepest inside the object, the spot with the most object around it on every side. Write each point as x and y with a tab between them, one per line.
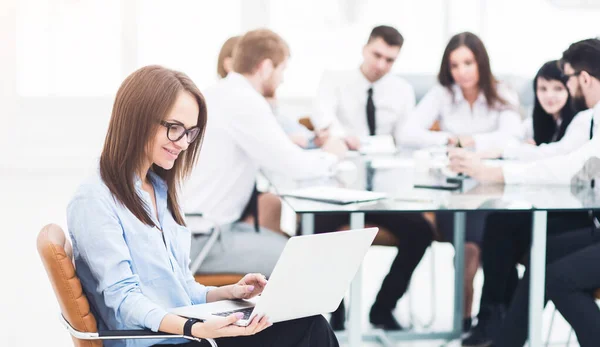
593	181
371	112
253	207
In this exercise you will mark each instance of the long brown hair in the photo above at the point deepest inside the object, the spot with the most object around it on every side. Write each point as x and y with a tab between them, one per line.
226	52
487	82
143	100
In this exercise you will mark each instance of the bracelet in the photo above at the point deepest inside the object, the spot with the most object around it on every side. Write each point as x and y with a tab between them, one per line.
187	327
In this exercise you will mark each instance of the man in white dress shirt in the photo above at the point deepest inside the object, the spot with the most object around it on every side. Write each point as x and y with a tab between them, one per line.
346	99
243	136
371	101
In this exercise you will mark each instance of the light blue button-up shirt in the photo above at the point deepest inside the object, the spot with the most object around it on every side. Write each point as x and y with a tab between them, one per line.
129	273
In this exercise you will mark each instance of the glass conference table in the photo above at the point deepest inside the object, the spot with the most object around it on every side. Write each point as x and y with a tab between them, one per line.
395	176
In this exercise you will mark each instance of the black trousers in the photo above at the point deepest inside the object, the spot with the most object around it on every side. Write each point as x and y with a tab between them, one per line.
305	332
414	235
572	274
506	242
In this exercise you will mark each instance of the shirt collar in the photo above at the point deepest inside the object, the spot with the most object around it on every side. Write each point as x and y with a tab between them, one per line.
157	182
160	191
240	79
459	97
597	109
365	84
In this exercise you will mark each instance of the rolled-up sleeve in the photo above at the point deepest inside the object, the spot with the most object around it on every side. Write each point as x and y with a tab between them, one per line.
558	170
102	248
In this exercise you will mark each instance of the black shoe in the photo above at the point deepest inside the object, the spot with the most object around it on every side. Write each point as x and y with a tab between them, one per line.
467	324
338	318
384	319
489	320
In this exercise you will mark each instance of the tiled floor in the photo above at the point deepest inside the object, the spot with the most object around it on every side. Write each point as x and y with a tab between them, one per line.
28	310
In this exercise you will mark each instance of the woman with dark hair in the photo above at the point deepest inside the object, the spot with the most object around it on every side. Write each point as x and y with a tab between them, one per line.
553	128
473	109
130	241
552	111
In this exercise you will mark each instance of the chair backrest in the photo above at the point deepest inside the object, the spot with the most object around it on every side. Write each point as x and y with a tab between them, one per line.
57	255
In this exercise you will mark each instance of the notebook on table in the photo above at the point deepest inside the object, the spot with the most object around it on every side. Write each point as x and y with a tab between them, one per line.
334	195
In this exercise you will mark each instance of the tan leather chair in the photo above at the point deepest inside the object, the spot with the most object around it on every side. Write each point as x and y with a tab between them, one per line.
218	280
57	256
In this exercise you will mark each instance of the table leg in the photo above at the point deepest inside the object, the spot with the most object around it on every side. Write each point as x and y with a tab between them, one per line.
537	272
357	221
308	223
459	271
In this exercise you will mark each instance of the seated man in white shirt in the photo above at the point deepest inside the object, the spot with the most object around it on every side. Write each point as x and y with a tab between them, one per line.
368	100
299	134
371	101
582	72
242	136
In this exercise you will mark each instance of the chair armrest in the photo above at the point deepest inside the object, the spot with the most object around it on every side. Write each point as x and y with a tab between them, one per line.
134	334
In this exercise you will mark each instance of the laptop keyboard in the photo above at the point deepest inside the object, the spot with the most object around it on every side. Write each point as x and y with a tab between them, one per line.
246	311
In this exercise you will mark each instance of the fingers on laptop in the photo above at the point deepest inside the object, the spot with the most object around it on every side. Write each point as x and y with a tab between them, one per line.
257	325
232	318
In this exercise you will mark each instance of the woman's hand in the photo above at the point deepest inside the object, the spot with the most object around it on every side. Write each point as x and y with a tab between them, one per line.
249	286
224	327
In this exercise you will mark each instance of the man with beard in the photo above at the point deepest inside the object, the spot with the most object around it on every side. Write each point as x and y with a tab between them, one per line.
506	240
243	136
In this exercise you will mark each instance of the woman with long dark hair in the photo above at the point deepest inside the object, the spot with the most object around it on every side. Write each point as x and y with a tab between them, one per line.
473	109
552	111
130	241
553	128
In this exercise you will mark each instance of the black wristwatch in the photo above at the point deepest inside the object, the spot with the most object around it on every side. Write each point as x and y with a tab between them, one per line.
187	327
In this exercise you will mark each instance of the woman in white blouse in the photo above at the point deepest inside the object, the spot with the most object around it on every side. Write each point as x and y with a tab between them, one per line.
472	108
474	111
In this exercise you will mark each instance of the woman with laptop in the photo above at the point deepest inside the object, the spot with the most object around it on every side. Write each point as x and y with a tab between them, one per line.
131	245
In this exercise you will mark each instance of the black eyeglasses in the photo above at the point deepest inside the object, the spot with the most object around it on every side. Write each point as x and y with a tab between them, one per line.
176	131
568	76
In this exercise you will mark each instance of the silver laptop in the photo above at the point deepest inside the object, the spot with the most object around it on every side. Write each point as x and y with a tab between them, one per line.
311	277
